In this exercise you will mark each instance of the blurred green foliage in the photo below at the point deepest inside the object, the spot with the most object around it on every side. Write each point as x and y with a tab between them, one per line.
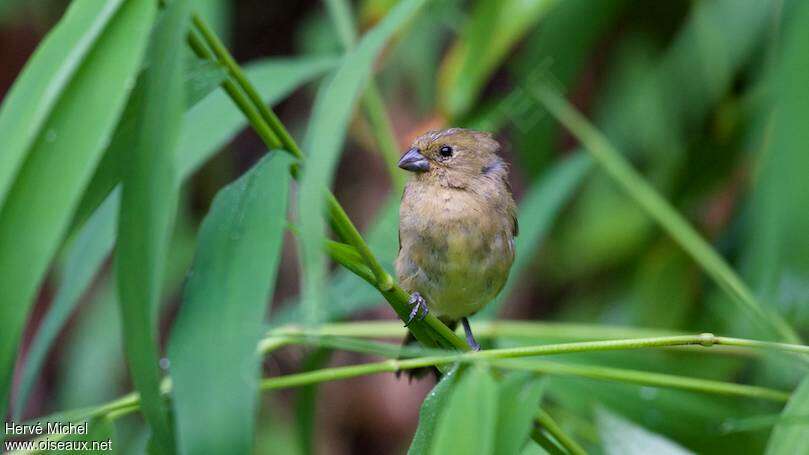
705	100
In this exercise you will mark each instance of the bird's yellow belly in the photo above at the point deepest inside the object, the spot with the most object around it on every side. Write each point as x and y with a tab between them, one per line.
461	271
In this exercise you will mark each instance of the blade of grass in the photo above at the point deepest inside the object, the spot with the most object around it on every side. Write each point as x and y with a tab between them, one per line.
468	422
791	438
324	140
207	125
49	184
84	258
215	368
381	128
519	397
148	202
662	212
432	407
42	82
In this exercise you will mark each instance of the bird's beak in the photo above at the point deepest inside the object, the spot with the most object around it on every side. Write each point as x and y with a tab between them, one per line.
414	161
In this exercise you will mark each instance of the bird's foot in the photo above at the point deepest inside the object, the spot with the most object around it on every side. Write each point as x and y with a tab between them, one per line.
419	305
470	339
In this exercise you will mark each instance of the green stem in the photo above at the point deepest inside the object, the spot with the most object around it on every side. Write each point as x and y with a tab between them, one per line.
546	421
270	130
646	378
235	71
661	211
497	357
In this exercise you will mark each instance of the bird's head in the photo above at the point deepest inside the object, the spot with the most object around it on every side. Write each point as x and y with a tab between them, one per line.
453	157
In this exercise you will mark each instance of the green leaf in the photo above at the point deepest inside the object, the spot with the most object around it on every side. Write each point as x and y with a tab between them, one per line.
214	364
518	403
622	437
468	423
42	83
538	210
494	28
201	78
62	156
207	125
789	438
84	258
324	139
636	187
148	204
432	407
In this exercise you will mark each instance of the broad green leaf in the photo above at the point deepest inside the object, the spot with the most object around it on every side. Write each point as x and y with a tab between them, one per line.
468	423
433	406
85	257
42	83
622	437
148	204
518	403
494	27
208	125
60	161
658	208
214	363
789	438
324	140
538	210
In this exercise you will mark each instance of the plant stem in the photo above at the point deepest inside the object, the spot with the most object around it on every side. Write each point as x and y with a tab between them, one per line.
546	421
661	211
645	378
497	356
273	133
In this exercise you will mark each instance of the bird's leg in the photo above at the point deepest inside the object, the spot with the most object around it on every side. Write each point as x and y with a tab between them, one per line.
419	304
470	339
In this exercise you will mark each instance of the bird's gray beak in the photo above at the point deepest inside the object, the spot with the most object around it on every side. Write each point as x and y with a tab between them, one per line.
414	161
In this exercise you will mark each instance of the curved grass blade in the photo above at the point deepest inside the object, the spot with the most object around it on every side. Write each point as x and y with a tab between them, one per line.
789	438
44	79
207	126
324	139
58	166
661	211
85	257
468	423
214	363
432	407
519	396
148	202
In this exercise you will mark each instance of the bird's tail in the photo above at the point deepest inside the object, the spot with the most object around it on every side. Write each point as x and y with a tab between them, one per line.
419	373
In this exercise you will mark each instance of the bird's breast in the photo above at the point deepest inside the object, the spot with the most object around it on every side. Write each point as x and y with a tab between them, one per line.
454	250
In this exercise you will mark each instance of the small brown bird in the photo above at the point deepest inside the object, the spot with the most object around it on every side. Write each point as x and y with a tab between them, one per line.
457	223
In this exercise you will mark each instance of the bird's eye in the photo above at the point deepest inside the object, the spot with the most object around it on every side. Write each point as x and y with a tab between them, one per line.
445	151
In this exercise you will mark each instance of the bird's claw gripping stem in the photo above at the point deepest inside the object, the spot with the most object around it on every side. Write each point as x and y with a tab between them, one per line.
418	304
